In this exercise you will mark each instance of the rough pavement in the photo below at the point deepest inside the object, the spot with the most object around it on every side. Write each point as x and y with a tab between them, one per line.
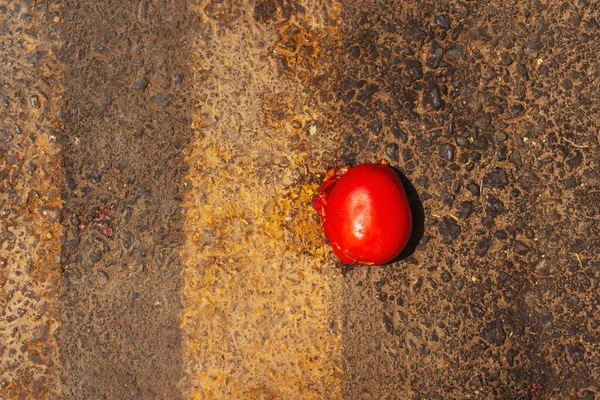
261	297
125	125
490	109
157	160
30	200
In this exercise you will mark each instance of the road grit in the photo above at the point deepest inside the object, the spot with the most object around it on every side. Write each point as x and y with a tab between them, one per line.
30	202
233	109
261	298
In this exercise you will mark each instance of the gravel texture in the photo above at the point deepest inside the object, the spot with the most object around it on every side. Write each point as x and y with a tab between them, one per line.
30	201
157	160
499	104
125	125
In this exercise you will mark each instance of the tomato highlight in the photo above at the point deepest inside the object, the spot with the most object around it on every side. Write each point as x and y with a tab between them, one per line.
365	213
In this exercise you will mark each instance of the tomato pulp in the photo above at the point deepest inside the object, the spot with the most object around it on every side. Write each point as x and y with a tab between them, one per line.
365	213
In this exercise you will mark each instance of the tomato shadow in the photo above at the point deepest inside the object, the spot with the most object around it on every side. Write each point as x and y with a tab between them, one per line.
418	217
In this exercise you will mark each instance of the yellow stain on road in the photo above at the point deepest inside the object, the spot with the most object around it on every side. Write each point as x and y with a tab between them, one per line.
30	210
260	295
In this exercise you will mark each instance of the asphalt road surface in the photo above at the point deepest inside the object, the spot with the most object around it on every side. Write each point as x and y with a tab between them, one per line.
157	163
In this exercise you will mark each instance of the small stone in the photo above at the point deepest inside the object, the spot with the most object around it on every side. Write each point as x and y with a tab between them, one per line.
447	176
384	107
591	176
588	395
178	80
95	256
367	94
515	159
39	334
354	51
573	266
140	84
375	127
567	84
502	136
146	68
523	71
94	176
34	102
388	323
493	333
517	110
436	55
502	277
456	52
570	182
483	121
496	178
457	187
456	31
447	152
576	351
574	161
34	358
448	229
460	283
510	357
142	10
483	246
423	181
534	44
506	59
6	135
431	97
102	278
546	322
465	209
127	240
391	150
473	188
493	206
518	224
501	234
443	21
480	33
446	276
521	248
162	100
399	133
501	152
416	68
71	184
52	214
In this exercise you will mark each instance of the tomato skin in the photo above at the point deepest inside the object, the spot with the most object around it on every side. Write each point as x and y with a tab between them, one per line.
366	215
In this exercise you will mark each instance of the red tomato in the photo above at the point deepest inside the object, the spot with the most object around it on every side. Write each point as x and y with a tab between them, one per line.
365	213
